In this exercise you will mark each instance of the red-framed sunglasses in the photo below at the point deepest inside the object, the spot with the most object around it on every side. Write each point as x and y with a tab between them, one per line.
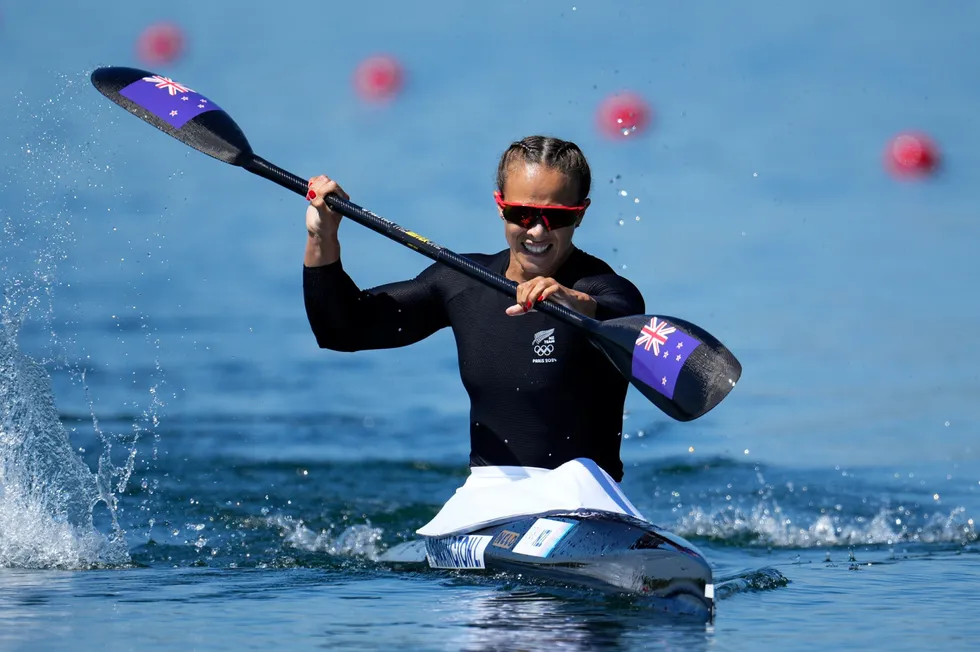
526	215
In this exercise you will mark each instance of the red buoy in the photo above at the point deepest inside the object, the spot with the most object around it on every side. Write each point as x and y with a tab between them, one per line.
911	155
378	78
160	43
623	115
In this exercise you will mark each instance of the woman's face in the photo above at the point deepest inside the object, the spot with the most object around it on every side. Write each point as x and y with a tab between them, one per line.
536	251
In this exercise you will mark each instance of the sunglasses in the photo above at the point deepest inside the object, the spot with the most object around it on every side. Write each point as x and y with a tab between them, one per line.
526	215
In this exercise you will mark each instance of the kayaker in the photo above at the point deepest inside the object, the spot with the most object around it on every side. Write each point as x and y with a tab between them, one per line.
541	394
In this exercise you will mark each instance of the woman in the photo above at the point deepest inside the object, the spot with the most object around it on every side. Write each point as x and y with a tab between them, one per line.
541	394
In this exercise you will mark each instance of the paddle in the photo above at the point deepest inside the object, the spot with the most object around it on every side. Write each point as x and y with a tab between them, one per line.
677	365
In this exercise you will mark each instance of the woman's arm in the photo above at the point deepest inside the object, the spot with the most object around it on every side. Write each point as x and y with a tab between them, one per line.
345	318
614	296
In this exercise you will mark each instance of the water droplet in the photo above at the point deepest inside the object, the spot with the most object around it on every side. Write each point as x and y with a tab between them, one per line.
746	452
637	218
947	424
622	193
622	222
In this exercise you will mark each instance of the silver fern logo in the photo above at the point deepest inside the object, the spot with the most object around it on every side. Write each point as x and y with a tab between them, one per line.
543	346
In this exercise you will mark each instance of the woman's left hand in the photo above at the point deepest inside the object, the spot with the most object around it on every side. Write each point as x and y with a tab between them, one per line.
530	293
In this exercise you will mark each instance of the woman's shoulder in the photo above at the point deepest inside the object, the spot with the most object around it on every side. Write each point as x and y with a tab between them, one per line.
589	265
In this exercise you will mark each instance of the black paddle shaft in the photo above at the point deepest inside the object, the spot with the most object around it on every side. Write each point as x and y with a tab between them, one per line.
290	181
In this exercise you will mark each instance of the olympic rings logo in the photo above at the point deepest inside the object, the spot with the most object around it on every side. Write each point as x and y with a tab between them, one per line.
541	350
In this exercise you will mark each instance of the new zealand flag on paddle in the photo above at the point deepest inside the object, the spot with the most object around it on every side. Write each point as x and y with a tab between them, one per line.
173	103
660	353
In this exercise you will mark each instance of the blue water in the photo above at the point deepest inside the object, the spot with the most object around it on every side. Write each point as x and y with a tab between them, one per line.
184	469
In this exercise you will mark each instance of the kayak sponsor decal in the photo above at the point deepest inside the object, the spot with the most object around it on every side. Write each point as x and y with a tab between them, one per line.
660	353
505	539
543	346
168	100
456	552
542	537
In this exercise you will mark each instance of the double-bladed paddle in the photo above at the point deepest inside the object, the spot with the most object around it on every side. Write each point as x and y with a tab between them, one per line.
678	366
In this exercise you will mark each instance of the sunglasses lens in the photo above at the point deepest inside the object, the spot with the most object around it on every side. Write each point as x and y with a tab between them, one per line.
557	218
519	215
527	216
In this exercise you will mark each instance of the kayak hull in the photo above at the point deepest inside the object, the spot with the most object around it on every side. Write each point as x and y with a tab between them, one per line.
597	550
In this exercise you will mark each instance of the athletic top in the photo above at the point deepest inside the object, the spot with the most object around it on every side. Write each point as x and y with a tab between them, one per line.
540	393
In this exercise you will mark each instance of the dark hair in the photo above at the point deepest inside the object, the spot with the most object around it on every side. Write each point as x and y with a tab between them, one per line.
561	155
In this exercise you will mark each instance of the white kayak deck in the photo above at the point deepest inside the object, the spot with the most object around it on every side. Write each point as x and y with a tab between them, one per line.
494	494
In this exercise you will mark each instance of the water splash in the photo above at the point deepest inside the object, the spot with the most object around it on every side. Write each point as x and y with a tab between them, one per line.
766	524
361	540
48	494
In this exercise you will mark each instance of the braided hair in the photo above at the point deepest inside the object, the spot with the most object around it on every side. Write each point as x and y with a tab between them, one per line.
561	155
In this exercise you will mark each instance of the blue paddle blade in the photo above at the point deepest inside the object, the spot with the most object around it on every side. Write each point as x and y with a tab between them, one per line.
177	110
678	366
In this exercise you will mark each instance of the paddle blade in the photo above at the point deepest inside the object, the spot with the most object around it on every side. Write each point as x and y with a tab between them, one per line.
177	110
679	366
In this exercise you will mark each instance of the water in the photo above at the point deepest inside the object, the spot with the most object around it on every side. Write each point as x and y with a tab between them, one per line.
182	467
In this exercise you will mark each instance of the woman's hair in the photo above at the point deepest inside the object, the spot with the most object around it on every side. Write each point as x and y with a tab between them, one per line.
561	155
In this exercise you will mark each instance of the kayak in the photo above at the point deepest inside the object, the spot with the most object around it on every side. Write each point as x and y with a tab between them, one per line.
603	551
571	525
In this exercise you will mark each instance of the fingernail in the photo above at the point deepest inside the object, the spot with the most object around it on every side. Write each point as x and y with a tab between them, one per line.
524	307
540	299
310	195
529	304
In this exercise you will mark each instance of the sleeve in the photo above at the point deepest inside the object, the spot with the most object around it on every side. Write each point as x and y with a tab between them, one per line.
614	295
346	318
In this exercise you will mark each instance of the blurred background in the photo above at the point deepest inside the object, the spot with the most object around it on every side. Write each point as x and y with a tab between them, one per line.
800	180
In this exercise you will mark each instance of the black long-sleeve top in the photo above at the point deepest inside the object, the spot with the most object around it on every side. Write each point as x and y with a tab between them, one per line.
540	393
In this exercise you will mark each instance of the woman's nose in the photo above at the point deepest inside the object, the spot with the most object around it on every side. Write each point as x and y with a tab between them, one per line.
538	229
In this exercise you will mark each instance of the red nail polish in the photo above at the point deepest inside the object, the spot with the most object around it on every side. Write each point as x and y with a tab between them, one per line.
310	195
540	299
528	307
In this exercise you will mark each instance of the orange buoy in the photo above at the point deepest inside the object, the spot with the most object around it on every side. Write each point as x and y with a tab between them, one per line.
378	78
161	43
911	155
623	115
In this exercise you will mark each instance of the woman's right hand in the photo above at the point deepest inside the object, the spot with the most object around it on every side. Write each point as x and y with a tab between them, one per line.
321	221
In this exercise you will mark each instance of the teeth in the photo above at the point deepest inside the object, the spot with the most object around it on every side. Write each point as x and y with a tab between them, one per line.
536	249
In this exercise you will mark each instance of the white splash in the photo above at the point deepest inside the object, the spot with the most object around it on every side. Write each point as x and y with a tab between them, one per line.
767	524
361	540
47	494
